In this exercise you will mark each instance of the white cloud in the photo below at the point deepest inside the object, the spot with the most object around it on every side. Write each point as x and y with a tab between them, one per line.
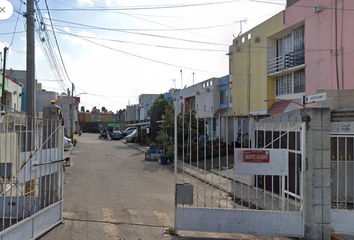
85	2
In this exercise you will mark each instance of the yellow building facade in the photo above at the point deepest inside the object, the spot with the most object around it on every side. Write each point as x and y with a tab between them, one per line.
248	68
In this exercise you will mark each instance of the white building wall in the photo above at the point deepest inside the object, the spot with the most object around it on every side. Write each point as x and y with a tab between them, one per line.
131	113
13	95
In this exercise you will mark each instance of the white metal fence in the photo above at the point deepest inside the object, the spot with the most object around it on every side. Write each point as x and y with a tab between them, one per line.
232	187
342	176
31	173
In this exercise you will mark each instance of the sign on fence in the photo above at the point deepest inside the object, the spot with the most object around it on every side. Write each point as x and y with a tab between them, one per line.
257	161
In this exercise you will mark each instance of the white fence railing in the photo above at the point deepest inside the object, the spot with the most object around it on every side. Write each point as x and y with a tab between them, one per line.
31	173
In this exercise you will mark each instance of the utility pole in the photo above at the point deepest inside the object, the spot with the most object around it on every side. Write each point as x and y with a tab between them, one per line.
3	97
30	78
72	113
30	63
181	80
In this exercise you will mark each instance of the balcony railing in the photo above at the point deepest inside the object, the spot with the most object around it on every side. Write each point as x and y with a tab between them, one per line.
285	61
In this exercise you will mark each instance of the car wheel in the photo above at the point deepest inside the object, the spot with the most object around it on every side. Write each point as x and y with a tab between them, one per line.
133	139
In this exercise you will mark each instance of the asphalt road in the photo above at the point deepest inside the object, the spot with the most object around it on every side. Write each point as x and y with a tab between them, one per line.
112	193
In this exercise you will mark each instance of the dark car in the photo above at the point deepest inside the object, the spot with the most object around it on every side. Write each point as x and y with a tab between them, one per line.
128	131
117	135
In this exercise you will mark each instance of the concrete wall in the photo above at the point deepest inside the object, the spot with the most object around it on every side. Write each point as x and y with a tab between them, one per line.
317	174
250	82
342	100
207	96
131	113
43	99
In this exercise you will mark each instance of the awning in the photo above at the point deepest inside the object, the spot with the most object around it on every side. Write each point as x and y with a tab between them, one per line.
278	107
220	112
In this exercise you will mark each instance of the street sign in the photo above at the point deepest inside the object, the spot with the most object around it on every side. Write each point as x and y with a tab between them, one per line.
256	156
315	98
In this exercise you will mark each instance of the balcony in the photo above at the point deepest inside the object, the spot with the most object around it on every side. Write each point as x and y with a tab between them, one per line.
288	61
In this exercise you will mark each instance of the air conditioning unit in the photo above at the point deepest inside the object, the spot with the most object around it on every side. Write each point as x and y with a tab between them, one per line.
15	92
318	8
207	89
197	93
257	39
238	49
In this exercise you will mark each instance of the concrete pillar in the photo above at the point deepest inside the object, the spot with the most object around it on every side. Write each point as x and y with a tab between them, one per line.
317	174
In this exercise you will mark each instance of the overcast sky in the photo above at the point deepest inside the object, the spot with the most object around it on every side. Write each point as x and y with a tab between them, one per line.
115	50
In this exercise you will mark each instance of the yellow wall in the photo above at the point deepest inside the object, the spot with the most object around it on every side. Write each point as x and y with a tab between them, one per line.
251	86
106	117
88	117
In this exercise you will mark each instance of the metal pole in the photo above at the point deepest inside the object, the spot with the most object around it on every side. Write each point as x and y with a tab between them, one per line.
181	80
175	156
3	97
72	114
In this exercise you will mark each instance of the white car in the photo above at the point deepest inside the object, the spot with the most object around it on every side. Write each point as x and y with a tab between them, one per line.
67	143
131	137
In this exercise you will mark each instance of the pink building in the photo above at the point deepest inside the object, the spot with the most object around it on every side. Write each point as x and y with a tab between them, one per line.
314	53
329	35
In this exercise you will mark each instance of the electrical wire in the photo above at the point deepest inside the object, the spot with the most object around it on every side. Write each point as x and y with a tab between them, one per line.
56	41
147	7
127	31
136	43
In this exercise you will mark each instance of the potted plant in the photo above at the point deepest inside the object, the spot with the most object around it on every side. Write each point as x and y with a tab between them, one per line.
162	139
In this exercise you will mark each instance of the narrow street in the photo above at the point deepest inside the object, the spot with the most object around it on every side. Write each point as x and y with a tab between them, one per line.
111	192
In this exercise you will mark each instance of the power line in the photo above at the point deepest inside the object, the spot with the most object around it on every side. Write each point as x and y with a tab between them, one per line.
147	7
56	41
145	58
128	31
136	43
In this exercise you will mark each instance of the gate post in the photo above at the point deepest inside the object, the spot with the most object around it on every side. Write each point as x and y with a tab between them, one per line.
317	176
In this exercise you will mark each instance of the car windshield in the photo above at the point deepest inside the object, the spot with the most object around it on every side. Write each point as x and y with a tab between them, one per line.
134	131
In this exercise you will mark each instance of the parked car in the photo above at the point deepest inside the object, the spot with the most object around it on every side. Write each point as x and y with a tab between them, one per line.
131	137
67	143
128	131
117	135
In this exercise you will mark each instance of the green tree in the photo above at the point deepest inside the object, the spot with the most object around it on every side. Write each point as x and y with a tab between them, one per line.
155	112
168	120
158	106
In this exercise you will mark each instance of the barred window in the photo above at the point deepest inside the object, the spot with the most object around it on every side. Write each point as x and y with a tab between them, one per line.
283	85
299	81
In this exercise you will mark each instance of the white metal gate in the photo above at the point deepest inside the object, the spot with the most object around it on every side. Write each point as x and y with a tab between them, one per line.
31	171
232	187
342	176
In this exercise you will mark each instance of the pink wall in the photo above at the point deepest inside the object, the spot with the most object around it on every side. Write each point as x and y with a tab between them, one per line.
320	54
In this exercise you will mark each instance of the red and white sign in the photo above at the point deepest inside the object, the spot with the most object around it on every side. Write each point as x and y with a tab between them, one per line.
256	156
255	161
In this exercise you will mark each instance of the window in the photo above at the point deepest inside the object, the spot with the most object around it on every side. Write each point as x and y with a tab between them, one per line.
299	46
224	96
231	61
284	45
299	81
249	36
231	94
283	85
211	83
